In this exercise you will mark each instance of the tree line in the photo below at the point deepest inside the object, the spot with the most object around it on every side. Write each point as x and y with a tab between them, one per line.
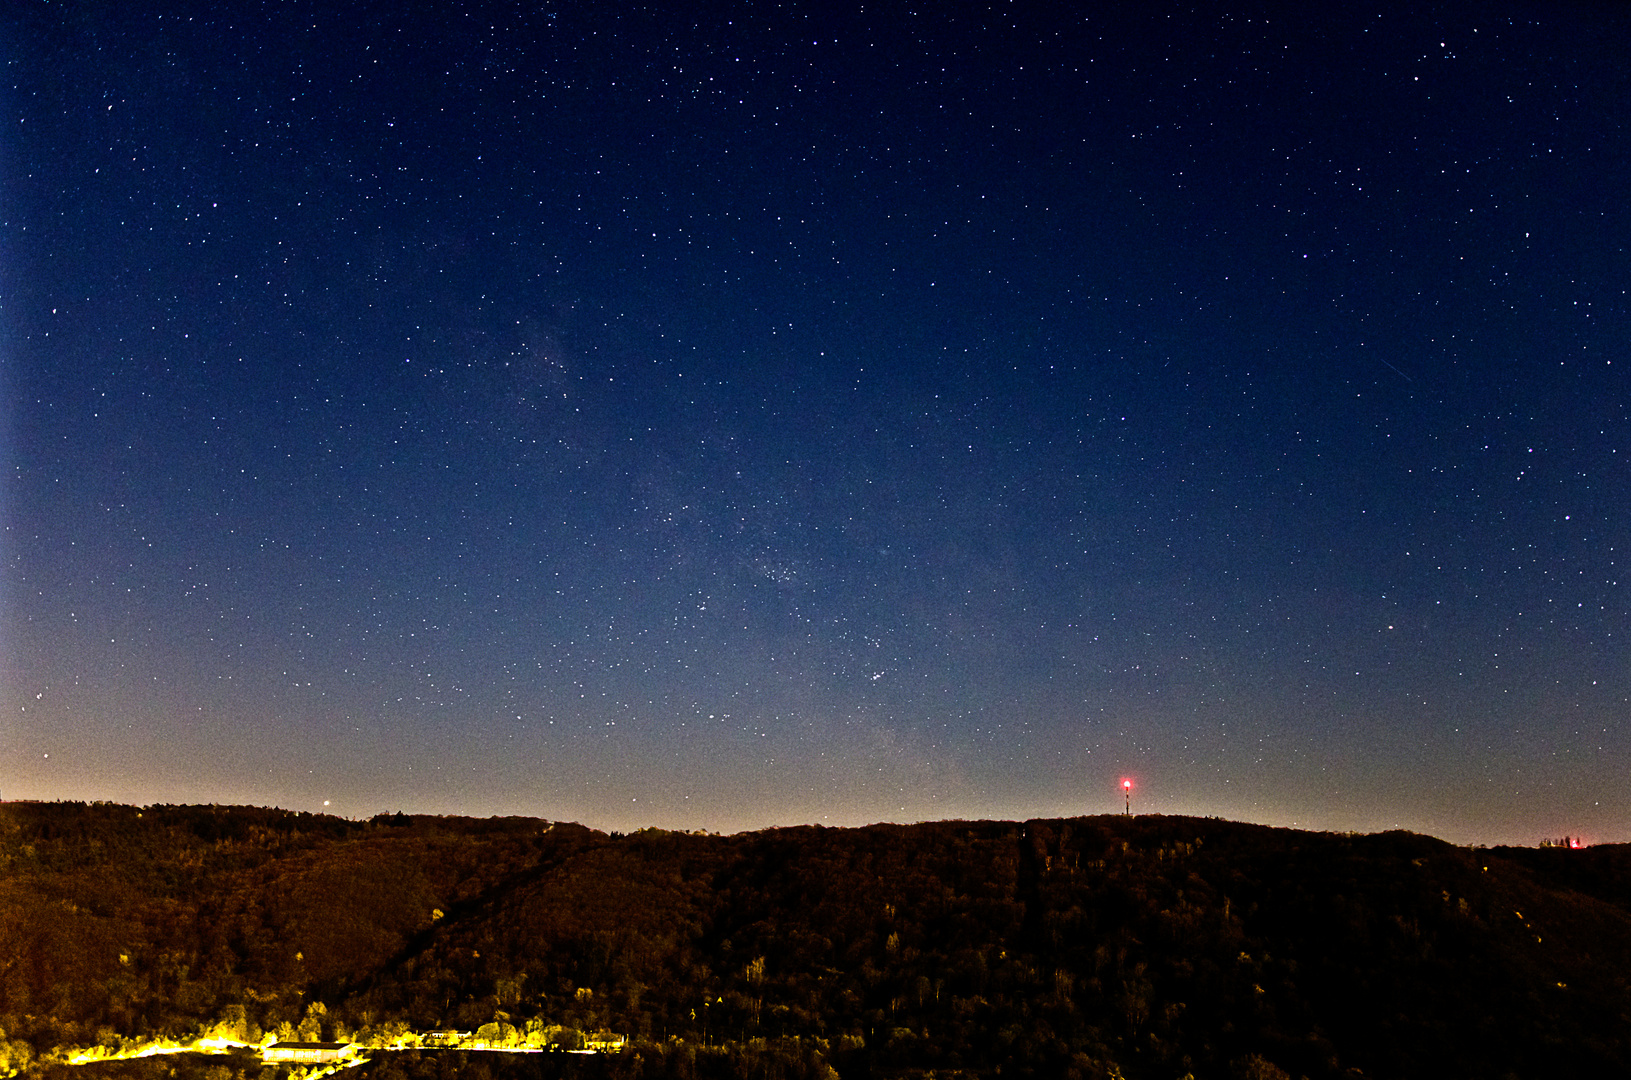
1086	947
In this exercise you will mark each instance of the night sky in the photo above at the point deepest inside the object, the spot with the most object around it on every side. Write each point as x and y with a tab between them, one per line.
768	413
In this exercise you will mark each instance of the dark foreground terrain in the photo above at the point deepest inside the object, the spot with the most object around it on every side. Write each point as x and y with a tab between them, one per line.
1088	947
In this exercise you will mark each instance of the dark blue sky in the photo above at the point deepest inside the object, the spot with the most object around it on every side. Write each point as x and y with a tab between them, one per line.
797	413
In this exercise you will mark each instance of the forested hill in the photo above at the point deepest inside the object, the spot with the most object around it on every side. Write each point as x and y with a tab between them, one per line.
1103	946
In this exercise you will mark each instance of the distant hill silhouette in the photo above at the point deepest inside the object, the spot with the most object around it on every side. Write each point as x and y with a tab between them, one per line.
1089	947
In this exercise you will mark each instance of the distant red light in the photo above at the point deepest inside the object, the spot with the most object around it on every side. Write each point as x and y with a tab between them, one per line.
1126	784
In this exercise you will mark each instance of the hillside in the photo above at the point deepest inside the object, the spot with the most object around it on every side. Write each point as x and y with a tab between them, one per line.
1104	946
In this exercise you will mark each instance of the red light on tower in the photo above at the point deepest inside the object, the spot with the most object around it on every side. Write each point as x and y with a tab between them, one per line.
1127	795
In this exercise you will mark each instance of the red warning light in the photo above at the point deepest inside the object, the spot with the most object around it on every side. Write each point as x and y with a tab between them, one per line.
1126	784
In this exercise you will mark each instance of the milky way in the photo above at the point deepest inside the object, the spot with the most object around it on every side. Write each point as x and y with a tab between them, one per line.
820	414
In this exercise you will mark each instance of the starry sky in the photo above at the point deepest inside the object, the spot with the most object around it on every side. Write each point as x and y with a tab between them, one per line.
773	413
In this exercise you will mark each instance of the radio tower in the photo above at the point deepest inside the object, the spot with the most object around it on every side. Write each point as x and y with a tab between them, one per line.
1127	795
